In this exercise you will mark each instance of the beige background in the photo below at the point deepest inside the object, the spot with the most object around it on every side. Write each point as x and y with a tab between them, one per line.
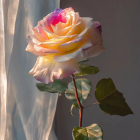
120	20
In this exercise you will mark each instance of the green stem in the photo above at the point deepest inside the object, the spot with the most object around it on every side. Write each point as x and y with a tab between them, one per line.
79	103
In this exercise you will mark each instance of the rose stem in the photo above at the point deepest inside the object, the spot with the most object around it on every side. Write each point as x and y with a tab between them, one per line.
78	101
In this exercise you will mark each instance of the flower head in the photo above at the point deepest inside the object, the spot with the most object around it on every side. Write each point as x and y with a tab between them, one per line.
60	39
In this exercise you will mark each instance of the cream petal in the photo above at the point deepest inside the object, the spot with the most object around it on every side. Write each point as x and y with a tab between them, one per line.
55	42
82	25
44	50
47	46
70	45
30	48
73	18
59	26
76	29
84	33
44	46
50	34
76	54
37	34
64	31
77	16
54	28
41	31
34	39
87	23
46	69
47	34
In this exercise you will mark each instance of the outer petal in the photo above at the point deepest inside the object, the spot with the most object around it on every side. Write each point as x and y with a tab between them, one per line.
42	32
34	39
36	45
30	48
38	36
95	33
46	69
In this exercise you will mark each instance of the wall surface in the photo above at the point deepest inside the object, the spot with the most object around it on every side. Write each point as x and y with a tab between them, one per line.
120	22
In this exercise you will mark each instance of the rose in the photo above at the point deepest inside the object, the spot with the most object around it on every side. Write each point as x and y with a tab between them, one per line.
60	39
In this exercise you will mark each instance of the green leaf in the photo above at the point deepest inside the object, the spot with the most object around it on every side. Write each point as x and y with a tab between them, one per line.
83	87
111	101
87	69
93	132
58	86
74	105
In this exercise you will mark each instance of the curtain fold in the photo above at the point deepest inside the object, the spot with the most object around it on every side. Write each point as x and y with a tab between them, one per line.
3	78
25	112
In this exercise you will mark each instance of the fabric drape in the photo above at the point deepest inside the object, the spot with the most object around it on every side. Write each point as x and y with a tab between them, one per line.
25	112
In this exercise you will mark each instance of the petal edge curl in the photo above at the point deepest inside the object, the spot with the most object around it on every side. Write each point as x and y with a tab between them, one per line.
46	69
30	48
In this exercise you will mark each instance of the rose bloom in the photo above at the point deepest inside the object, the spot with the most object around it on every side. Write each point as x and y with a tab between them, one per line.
61	39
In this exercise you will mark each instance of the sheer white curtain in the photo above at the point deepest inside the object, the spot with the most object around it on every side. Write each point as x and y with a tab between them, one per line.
25	113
